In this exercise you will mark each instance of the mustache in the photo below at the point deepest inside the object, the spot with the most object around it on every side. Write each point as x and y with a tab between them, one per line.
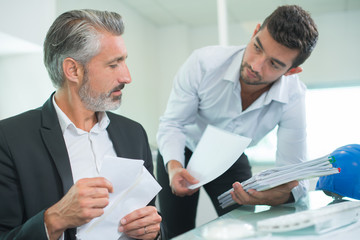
256	73
117	88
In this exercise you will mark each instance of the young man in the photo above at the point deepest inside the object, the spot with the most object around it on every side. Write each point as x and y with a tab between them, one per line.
246	90
43	152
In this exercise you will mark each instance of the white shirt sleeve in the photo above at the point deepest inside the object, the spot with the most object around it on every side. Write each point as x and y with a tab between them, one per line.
47	234
291	140
181	110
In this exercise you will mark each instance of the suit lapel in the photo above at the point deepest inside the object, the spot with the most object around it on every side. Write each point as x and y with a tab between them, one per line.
54	141
115	138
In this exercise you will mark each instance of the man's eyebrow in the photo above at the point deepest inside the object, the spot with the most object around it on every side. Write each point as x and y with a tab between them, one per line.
117	59
274	59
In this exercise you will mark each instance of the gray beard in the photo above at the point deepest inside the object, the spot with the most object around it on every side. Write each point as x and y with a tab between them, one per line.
97	102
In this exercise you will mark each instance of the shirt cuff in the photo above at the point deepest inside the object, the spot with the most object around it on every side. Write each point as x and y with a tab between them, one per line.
46	231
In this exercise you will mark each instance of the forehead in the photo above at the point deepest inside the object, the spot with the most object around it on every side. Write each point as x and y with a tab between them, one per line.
273	49
111	47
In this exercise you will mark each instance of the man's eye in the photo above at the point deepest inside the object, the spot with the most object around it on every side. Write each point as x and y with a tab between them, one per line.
113	65
274	65
256	48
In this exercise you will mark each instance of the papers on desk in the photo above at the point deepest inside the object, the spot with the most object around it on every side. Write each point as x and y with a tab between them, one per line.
216	152
134	187
273	177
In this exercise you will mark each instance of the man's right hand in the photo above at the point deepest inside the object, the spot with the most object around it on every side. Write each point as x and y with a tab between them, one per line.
85	200
180	179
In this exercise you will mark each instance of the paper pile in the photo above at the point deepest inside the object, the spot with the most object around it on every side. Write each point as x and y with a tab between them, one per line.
273	177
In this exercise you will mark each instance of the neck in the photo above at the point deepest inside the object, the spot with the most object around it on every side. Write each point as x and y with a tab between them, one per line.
74	109
249	93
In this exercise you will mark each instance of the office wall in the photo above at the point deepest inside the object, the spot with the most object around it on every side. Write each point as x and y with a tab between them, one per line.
25	19
24	85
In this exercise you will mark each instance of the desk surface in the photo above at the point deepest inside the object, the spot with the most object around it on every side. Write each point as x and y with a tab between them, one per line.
250	215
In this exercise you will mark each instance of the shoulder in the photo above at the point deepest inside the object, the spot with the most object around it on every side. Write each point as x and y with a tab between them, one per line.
126	124
121	119
291	89
212	58
24	119
216	53
294	85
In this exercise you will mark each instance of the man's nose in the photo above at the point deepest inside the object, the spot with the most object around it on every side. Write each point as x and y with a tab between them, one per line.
124	75
258	64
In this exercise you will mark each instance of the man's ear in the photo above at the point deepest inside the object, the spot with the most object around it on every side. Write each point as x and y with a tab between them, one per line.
293	71
256	29
73	71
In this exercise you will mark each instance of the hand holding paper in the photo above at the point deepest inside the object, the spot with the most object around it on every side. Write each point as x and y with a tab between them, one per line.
179	179
216	152
134	187
274	177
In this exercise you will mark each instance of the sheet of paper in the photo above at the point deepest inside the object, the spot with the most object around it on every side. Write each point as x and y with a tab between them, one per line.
134	188
216	152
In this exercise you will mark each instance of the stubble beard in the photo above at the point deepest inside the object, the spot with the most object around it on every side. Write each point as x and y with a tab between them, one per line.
259	80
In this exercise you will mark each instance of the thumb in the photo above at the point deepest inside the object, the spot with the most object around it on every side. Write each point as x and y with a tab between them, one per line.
190	179
293	184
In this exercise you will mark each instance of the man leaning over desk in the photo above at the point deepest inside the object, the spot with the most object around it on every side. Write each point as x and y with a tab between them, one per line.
50	156
247	90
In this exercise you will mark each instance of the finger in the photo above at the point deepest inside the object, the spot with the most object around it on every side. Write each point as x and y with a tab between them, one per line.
181	191
95	182
95	202
97	192
192	191
141	217
147	232
292	184
87	214
239	195
190	179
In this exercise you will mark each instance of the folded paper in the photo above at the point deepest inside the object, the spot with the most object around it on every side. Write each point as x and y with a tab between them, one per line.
134	187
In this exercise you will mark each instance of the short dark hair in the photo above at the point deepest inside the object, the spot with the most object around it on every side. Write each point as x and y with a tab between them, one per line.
293	27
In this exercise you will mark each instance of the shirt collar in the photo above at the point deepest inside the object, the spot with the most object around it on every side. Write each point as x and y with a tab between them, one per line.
65	122
278	91
233	72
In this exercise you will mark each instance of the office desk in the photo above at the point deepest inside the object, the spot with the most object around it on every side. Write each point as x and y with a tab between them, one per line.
250	215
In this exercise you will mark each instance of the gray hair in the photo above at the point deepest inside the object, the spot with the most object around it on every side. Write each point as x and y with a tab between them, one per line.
76	34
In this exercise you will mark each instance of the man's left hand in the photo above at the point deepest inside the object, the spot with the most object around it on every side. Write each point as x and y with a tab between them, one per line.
274	196
143	223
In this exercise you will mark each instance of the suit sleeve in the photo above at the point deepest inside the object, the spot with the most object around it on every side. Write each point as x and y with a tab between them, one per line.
12	223
149	166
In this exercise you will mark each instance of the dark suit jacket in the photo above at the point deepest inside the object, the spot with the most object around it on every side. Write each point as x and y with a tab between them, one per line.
35	171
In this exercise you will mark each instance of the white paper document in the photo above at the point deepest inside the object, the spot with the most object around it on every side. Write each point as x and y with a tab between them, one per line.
215	153
134	187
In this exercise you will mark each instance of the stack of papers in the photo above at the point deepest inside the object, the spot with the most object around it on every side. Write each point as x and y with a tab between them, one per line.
279	175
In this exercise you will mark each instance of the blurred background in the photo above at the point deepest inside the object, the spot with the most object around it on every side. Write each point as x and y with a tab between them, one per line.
161	34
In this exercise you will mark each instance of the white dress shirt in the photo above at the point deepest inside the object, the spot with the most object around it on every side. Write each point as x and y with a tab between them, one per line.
206	91
86	149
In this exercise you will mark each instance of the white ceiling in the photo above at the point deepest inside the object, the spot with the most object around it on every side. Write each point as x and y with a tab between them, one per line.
196	13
